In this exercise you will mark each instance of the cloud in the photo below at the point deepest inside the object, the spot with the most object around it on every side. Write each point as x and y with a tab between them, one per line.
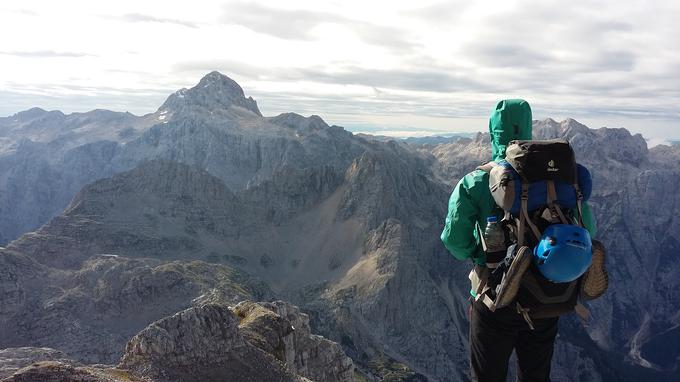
384	36
614	60
229	68
651	142
44	54
49	89
446	12
569	41
505	54
405	79
283	23
142	18
430	80
24	12
299	24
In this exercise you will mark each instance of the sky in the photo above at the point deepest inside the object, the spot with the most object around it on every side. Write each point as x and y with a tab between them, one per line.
403	68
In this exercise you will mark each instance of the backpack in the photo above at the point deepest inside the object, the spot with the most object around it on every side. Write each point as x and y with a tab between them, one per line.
538	184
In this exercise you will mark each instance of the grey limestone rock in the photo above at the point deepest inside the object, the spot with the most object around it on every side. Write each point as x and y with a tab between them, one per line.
281	329
13	359
214	93
202	344
210	342
92	311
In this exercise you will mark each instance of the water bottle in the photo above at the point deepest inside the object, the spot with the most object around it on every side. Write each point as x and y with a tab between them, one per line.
493	236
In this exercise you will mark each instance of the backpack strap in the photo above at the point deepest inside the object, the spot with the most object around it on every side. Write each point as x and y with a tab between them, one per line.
555	208
479	277
524	216
525	314
579	204
579	201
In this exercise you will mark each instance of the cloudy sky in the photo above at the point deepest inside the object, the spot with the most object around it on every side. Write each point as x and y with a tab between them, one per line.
391	67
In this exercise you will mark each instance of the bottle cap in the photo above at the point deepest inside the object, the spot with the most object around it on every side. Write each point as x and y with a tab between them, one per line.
491	219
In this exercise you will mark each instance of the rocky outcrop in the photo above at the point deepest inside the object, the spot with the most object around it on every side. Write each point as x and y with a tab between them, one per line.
13	359
49	371
50	365
251	342
255	342
279	328
91	312
200	344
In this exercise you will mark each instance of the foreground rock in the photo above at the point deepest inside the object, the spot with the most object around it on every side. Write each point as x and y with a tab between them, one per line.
200	344
13	359
90	313
251	342
281	329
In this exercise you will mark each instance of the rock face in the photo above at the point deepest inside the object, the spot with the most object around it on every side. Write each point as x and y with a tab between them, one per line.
213	203
252	343
47	157
279	328
215	92
205	343
91	312
13	359
200	344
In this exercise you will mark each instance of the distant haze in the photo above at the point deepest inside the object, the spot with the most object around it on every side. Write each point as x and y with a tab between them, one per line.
387	67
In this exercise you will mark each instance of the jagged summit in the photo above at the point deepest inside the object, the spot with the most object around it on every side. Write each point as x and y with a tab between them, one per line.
33	113
297	121
214	92
550	129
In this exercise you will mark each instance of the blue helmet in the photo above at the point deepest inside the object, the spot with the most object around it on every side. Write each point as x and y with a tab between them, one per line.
564	253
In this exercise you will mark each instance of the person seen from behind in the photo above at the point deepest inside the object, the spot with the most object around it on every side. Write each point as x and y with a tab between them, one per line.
530	244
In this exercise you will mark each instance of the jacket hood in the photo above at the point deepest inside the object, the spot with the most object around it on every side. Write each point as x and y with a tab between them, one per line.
510	120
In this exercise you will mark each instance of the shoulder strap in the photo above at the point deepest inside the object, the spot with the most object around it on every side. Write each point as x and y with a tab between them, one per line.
524	216
552	197
579	204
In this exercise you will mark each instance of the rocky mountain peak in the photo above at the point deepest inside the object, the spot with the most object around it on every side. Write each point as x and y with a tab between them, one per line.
31	113
34	113
571	127
214	92
297	121
551	129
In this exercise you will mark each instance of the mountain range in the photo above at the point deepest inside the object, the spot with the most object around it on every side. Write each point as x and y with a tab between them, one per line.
112	222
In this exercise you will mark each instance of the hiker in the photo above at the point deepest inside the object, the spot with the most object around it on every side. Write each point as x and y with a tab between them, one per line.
503	315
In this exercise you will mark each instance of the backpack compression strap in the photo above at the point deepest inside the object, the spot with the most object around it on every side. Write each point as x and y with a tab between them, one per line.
524	217
579	203
555	208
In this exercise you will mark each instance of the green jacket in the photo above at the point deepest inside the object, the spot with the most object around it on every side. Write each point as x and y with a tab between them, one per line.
471	201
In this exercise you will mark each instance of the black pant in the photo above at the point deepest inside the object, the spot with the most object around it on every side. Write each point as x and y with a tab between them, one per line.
493	336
